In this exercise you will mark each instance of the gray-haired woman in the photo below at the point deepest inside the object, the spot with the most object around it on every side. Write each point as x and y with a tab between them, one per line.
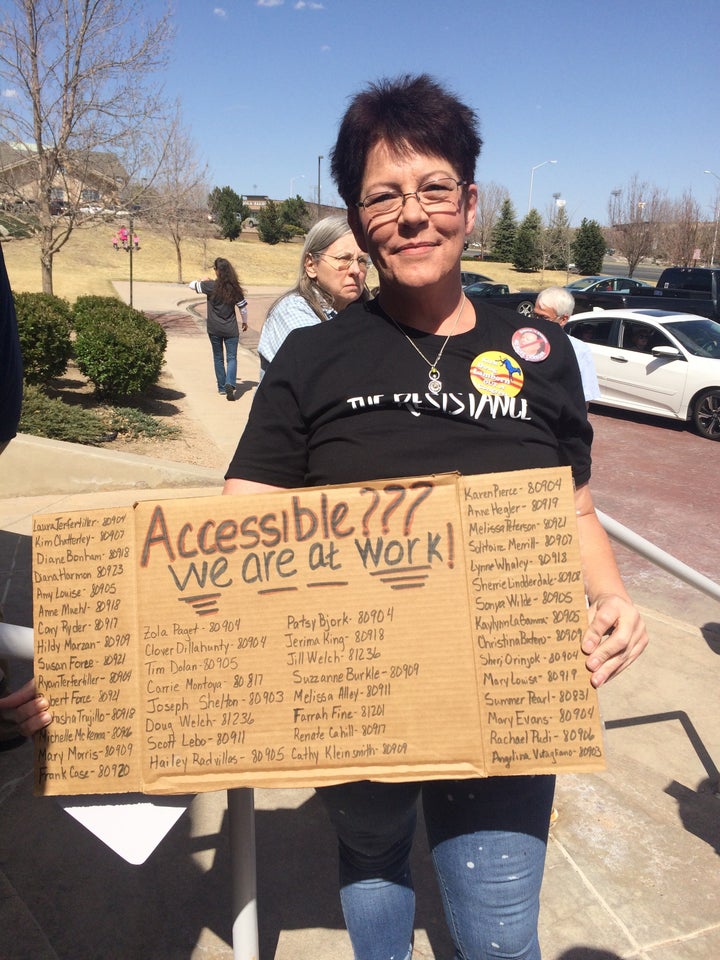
331	276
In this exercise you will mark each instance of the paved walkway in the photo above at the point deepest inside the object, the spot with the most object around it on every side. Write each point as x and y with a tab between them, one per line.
632	867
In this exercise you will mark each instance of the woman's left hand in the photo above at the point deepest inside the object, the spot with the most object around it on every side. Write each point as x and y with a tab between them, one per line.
614	639
25	708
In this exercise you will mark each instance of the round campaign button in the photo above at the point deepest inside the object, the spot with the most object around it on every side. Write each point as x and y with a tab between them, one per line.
496	373
530	344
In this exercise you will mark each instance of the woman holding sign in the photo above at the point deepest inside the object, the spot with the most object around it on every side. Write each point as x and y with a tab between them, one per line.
419	381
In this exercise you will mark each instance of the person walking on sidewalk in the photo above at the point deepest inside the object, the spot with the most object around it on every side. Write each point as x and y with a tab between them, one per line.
225	297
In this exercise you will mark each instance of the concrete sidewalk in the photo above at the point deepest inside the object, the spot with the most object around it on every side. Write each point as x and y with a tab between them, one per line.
632	867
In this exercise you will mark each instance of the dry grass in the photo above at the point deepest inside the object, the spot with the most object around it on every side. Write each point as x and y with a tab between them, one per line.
87	264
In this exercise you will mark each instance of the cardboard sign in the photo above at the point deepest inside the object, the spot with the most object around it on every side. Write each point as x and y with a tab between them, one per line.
399	630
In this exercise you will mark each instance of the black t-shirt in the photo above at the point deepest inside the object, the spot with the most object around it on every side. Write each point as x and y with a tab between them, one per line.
11	367
348	401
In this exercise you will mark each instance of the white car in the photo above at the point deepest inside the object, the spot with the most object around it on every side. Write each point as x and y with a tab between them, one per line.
657	362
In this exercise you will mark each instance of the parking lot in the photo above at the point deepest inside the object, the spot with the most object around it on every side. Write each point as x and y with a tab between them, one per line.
660	479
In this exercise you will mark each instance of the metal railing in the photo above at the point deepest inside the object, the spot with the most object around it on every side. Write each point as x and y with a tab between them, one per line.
628	538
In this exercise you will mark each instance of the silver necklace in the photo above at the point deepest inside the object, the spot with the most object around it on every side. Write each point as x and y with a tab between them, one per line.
434	383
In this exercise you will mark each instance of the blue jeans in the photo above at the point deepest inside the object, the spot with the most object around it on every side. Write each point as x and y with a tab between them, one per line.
488	841
231	347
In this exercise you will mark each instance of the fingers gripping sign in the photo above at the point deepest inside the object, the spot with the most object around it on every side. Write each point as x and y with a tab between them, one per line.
614	639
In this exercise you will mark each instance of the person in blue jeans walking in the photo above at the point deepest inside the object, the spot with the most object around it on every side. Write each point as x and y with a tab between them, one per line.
225	297
390	388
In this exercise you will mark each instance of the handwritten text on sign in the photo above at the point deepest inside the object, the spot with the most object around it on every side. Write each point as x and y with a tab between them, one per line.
410	629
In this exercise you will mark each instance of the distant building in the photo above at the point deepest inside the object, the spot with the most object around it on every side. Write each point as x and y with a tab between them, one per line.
255	202
94	179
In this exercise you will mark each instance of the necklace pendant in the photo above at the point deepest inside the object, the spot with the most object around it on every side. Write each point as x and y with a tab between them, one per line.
434	383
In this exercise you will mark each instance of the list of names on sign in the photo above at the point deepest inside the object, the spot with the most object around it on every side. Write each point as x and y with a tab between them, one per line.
529	617
410	629
86	657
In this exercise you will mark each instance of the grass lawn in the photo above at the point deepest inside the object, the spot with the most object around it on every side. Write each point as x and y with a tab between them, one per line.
87	264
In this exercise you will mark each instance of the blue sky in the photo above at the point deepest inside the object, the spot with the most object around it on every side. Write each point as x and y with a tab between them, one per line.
609	89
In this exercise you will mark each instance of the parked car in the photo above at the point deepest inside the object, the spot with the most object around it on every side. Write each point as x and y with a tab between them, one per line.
603	292
523	302
466	277
485	289
606	285
657	362
683	289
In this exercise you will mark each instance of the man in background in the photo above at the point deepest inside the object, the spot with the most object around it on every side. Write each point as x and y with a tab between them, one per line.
557	304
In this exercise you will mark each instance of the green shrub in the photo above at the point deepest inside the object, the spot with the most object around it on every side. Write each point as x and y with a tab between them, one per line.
122	359
44	325
133	423
43	416
92	310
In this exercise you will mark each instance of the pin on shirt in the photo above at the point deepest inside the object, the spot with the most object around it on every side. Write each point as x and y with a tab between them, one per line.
497	374
531	344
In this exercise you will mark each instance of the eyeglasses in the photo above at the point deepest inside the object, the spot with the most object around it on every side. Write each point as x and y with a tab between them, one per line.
435	195
346	261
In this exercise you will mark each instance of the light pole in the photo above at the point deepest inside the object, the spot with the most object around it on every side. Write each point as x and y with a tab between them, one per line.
717	215
132	233
300	176
532	177
320	159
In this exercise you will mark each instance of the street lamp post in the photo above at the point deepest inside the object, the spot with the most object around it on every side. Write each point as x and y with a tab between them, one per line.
132	234
320	158
532	177
717	216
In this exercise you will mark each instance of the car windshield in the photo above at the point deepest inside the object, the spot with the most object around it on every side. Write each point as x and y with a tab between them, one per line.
582	284
701	336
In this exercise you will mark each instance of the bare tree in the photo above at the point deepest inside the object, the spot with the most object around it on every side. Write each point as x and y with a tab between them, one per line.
177	195
490	199
80	75
681	230
636	213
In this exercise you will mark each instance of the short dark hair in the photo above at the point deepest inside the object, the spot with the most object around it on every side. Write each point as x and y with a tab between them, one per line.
410	113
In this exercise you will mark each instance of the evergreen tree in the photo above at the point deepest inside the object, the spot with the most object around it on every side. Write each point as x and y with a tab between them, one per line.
589	247
502	238
270	224
294	212
527	254
557	241
227	208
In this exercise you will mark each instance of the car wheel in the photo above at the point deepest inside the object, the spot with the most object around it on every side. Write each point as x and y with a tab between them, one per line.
526	308
706	414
